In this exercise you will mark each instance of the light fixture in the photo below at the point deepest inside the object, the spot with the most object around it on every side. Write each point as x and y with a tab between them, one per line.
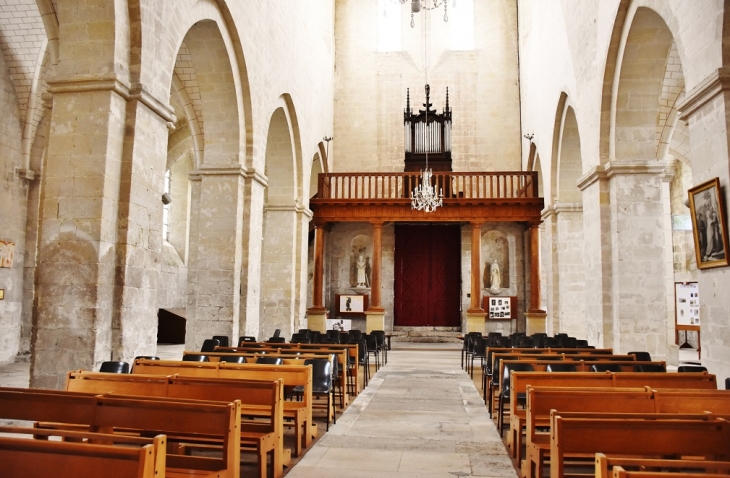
426	196
418	5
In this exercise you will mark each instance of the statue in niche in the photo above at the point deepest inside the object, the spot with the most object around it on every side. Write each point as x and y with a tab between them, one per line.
495	282
362	278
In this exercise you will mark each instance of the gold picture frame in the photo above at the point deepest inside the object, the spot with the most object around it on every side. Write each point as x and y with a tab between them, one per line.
709	226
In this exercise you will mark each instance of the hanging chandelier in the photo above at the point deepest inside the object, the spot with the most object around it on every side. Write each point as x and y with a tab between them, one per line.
418	5
426	196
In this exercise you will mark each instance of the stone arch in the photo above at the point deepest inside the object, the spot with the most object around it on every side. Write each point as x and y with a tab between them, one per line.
216	78
217	12
564	228
281	255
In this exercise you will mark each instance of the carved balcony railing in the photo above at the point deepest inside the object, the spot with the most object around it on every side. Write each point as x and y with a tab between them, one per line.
456	187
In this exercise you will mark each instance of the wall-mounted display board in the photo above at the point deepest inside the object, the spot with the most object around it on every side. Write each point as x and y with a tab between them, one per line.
687	311
352	304
500	308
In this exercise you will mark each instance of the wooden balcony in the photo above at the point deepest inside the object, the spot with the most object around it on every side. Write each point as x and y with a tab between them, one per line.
468	197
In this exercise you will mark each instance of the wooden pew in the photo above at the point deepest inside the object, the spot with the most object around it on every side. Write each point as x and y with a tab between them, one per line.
263	399
638	435
40	458
300	412
605	464
520	380
619	472
539	365
157	443
343	352
541	401
182	421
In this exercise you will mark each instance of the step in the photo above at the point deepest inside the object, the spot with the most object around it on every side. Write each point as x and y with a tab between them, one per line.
427	334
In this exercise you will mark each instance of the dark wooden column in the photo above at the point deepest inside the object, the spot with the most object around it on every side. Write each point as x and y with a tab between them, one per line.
318	279
475	305
376	269
535	268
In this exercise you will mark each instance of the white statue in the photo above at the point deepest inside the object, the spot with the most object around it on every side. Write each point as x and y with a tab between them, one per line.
495	276
361	277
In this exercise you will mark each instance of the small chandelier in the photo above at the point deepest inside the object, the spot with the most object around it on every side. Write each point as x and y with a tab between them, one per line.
417	5
426	196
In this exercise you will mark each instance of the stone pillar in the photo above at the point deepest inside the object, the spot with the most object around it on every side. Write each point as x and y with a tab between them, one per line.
317	314
77	244
549	268
254	189
475	315
375	315
277	269
139	232
214	267
534	317
598	240
706	110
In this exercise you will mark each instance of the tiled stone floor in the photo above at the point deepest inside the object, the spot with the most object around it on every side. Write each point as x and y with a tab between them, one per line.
420	416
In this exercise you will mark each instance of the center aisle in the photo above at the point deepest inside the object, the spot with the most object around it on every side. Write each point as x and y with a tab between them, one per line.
420	416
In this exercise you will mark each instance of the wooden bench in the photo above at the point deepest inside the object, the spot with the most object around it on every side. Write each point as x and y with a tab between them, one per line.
291	352
606	463
299	412
619	472
158	443
261	399
648	435
184	422
519	382
542	365
541	401
36	458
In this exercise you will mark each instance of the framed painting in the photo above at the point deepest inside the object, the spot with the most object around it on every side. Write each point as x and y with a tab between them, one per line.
709	224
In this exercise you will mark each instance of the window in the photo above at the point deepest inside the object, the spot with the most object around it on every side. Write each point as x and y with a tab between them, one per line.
461	20
389	25
166	210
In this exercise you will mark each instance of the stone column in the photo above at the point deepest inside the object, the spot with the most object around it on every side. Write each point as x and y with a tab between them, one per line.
254	188
214	269
375	315
598	240
706	110
475	315
317	314
77	243
139	232
534	317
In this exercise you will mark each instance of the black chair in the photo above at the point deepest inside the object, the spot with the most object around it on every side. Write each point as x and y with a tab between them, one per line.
321	384
316	337
270	360
246	338
222	339
306	332
649	367
727	383
114	367
233	358
382	347
277	333
372	343
329	340
276	340
561	367
300	339
479	351
195	358
209	345
524	342
334	334
641	356
691	368
504	394
581	344
605	367
355	334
